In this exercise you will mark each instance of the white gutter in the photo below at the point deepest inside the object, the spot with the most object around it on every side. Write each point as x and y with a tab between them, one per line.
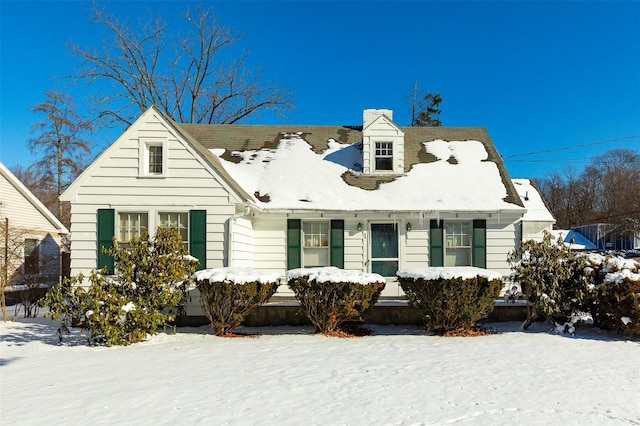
232	220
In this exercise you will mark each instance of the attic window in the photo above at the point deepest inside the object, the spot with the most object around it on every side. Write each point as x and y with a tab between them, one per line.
384	156
153	158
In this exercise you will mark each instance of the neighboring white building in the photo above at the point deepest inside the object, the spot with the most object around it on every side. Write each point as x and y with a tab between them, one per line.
375	198
34	232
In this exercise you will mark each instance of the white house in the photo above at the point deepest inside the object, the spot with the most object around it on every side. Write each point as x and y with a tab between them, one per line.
538	218
375	197
34	234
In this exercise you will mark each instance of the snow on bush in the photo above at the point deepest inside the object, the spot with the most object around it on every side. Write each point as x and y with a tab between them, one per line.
451	299
228	295
146	292
617	285
331	296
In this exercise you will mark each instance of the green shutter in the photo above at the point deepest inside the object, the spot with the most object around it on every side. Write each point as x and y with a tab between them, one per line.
479	241
106	232
294	253
198	236
436	243
337	243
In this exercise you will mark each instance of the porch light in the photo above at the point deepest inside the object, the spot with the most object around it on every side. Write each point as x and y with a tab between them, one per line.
359	227
408	226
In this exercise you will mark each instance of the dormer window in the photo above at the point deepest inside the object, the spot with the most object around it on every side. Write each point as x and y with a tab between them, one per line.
153	158
384	155
382	143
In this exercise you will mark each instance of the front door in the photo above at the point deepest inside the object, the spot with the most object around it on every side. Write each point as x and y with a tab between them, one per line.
384	249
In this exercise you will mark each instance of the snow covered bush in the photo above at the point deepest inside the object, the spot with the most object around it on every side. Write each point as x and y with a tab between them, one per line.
553	280
617	303
331	297
451	299
144	294
228	295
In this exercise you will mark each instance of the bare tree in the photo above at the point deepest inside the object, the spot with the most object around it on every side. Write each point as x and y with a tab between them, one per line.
59	142
424	108
185	77
605	191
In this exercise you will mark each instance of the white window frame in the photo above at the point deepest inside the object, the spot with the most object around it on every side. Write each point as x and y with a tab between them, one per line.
388	146
144	152
318	241
456	240
185	240
132	234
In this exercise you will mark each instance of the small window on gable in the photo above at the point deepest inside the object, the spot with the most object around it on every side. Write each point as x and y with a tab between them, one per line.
153	158
384	156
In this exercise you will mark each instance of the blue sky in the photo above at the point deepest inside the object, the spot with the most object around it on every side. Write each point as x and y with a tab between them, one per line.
538	75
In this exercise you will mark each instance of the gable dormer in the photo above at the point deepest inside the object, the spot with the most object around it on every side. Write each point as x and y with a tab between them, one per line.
382	143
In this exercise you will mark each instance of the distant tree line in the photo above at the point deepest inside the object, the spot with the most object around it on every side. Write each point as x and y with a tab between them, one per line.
606	191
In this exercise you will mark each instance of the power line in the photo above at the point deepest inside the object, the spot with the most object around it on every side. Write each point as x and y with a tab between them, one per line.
570	147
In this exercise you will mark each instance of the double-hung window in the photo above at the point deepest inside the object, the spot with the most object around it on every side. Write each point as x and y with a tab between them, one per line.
384	156
180	221
315	244
131	224
457	244
153	157
31	257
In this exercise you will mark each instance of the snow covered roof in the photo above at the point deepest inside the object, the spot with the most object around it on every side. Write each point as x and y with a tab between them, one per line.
537	210
320	168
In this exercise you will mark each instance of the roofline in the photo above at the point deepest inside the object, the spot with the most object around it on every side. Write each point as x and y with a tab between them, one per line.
211	159
33	199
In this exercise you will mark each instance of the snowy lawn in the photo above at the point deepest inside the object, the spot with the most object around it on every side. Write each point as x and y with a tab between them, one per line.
397	376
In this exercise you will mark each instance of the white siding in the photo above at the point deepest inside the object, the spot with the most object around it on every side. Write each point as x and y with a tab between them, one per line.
114	181
243	252
534	230
27	222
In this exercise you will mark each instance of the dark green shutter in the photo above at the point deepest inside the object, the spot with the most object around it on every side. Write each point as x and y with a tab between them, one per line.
198	236
294	253
479	241
106	232
337	243
436	243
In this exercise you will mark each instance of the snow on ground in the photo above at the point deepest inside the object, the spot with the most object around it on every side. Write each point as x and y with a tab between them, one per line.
287	376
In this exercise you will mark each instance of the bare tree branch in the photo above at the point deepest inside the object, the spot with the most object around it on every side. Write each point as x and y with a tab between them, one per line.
185	77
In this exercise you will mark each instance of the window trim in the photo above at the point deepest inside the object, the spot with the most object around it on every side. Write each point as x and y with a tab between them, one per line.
468	248
158	224
118	227
36	250
389	147
326	247
144	151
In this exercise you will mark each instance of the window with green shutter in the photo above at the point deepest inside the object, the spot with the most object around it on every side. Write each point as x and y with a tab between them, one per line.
436	243
479	241
337	243
198	236
106	232
294	252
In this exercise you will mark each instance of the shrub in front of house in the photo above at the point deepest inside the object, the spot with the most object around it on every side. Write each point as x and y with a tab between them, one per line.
617	300
145	293
228	295
451	299
331	297
554	281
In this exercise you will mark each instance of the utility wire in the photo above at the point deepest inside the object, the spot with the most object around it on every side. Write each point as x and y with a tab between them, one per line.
569	147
